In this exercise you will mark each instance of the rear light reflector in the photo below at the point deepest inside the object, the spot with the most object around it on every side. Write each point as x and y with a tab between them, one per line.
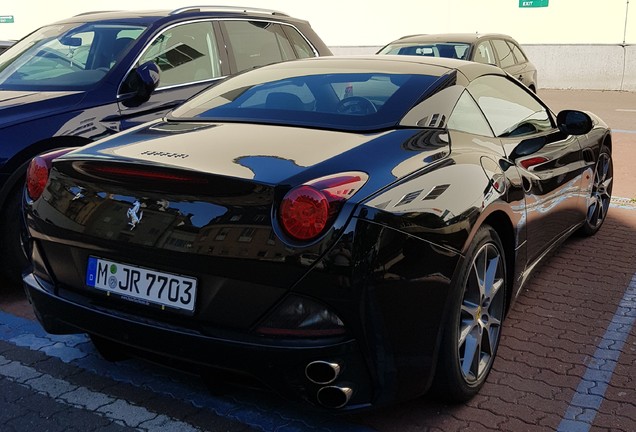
308	210
301	317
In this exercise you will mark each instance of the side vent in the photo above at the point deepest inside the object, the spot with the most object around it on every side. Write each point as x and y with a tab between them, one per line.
436	192
409	198
435	121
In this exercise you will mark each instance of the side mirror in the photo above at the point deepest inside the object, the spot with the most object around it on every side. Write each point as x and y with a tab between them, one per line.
574	122
142	82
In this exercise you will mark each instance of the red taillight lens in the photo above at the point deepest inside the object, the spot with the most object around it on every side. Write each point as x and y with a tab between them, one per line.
37	176
307	210
304	212
527	163
38	172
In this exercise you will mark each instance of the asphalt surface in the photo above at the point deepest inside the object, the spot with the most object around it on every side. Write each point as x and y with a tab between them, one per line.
567	359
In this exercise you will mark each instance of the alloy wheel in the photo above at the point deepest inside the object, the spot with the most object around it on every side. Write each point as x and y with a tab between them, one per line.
601	194
482	311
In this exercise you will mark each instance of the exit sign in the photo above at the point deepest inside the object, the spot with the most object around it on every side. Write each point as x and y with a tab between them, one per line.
6	19
533	3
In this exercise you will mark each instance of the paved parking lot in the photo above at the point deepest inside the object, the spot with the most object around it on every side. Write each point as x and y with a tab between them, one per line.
567	360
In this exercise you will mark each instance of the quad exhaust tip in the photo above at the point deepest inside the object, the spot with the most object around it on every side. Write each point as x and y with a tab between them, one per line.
334	396
322	372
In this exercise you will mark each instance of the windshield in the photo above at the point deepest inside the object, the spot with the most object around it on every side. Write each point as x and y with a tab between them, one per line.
429	49
345	100
65	57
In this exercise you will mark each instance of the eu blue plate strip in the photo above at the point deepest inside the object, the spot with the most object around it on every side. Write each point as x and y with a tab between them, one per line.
258	410
590	392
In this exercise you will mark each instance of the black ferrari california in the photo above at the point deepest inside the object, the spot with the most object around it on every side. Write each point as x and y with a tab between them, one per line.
348	231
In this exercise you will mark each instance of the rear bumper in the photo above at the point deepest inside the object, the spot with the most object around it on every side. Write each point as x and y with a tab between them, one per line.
279	364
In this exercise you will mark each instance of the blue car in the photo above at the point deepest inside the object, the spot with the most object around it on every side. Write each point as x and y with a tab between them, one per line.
93	75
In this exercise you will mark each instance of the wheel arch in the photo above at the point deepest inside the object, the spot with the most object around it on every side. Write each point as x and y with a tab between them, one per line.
501	223
607	141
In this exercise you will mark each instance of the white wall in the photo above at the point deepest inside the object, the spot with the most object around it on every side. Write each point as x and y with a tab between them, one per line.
375	22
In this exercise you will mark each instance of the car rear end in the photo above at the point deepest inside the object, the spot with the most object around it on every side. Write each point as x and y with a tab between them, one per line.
190	266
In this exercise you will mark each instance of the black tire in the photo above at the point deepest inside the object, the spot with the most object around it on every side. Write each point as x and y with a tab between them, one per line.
473	323
600	197
14	261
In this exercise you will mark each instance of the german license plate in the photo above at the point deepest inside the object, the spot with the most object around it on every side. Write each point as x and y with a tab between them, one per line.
142	285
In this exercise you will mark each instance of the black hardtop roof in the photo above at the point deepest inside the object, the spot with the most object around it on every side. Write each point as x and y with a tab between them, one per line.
433	66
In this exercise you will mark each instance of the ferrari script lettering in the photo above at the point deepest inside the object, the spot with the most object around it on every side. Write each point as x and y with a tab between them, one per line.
165	154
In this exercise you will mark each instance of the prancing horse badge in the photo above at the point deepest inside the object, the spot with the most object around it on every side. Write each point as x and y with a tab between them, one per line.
134	215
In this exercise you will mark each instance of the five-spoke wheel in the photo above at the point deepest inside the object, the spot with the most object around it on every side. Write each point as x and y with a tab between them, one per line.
482	311
473	325
598	201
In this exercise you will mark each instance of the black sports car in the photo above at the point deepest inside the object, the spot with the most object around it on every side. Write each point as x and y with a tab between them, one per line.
348	231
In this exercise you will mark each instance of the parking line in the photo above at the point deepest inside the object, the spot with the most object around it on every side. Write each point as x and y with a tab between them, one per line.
623	203
590	392
260	412
625	131
116	410
625	110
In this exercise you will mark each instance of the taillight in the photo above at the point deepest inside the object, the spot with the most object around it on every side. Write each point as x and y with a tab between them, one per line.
38	172
308	210
37	176
301	317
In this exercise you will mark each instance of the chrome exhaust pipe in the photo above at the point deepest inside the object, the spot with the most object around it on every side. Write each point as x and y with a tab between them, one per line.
322	372
334	397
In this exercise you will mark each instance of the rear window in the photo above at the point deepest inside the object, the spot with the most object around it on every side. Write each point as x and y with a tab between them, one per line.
441	49
256	43
504	52
521	58
346	100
